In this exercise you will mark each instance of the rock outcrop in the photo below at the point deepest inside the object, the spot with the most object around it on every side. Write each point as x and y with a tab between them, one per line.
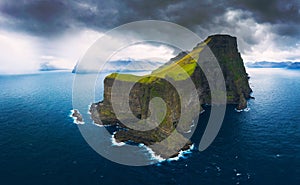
225	49
77	116
161	84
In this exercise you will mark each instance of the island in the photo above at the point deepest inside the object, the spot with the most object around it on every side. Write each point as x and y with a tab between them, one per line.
157	84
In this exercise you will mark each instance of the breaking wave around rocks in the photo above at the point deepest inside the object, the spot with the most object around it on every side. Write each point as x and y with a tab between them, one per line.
153	156
243	110
181	155
114	141
75	118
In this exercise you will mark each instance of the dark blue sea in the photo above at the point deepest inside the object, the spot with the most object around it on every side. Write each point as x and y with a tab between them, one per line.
40	144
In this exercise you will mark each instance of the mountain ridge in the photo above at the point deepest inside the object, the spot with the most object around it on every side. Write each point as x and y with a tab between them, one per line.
268	64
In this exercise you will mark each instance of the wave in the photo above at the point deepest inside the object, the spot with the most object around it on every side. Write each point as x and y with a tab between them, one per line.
89	109
153	155
98	125
192	125
114	141
182	154
189	131
247	109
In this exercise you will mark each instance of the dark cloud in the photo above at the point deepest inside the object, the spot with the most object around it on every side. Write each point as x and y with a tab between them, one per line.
37	16
292	30
47	17
273	11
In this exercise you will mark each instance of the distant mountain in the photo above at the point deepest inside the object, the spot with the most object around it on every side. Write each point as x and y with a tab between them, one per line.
46	66
265	64
128	65
295	65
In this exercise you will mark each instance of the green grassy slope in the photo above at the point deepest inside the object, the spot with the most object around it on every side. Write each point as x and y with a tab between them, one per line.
178	70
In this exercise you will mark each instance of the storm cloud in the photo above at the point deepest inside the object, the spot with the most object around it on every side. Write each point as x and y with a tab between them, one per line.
268	25
55	16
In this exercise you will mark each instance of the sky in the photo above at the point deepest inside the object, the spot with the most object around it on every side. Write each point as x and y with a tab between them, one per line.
58	32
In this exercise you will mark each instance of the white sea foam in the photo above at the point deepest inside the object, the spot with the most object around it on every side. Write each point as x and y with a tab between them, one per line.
89	107
247	109
154	156
158	158
71	114
238	174
237	110
182	154
193	125
114	142
89	112
98	125
189	131
79	122
243	110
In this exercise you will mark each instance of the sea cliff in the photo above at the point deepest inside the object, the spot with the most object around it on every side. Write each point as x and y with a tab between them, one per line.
161	84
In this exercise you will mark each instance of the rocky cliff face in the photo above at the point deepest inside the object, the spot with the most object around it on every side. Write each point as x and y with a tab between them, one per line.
161	83
225	49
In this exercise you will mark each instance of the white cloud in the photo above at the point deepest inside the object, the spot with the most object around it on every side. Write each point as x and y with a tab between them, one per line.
87	7
145	51
120	46
18	53
267	45
256	41
65	51
21	53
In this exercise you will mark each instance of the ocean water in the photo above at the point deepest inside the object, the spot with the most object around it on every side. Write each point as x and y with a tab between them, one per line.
40	144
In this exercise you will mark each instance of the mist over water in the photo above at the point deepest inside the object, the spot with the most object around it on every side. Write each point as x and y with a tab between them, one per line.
40	144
